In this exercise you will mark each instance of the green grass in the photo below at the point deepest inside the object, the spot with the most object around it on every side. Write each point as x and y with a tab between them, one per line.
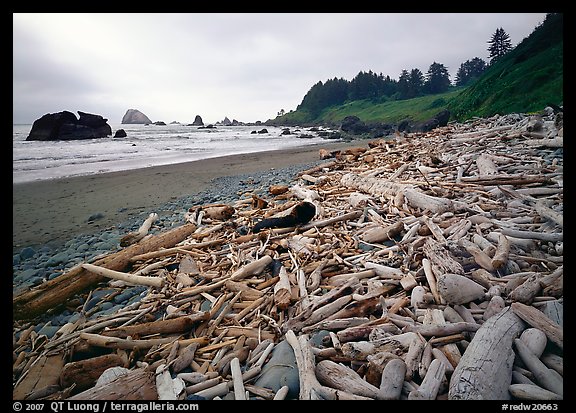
526	80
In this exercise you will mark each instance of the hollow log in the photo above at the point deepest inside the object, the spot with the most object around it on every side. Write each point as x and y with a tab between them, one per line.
485	369
56	292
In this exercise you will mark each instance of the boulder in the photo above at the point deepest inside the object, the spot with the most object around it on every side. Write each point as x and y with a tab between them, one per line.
133	116
198	121
120	133
65	126
354	126
439	120
226	121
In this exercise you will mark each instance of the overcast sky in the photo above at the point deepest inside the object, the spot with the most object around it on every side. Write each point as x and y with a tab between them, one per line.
173	67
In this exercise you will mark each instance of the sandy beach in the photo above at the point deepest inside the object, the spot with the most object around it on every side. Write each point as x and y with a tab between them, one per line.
57	210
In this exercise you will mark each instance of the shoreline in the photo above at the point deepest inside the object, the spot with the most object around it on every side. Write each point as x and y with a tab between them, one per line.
54	211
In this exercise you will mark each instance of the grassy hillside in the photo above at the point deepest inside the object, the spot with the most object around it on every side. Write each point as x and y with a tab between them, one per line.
527	79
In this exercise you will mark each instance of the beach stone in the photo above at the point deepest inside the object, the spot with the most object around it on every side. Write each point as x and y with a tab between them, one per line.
95	217
27	253
83	247
59	258
25	275
48	330
281	370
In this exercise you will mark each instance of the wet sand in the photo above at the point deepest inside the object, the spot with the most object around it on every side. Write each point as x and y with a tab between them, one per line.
57	210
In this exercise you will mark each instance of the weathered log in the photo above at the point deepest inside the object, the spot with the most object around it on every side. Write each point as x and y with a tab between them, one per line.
485	370
547	378
85	373
167	387
431	383
537	319
45	371
139	384
185	358
456	289
168	326
526	291
133	237
126	344
392	380
56	292
380	233
535	340
253	268
129	278
344	378
282	290
532	392
502	251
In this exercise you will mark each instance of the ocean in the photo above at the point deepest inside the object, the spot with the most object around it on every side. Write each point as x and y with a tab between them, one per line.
145	145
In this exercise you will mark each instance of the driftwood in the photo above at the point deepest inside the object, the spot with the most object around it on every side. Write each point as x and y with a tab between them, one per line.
422	259
485	370
139	384
56	292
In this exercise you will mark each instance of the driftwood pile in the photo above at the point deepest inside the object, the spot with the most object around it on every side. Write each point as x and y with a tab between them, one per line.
431	268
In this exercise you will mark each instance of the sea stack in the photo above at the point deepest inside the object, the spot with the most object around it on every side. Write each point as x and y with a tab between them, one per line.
134	117
65	126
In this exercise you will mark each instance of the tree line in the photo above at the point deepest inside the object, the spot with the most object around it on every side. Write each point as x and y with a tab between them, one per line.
410	84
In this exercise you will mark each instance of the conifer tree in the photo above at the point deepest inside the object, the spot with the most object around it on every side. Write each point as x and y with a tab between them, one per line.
499	45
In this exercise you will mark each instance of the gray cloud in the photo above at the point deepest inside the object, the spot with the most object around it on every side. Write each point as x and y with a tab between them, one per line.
244	66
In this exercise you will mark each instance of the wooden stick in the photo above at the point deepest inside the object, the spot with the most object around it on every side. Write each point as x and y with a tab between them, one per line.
129	278
126	344
254	268
239	391
134	237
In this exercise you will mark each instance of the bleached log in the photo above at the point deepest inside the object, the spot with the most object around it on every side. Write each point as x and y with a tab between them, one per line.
485	165
138	384
305	194
343	378
533	235
282	290
535	340
547	378
384	271
239	392
126	277
168	326
392	380
537	319
456	289
168	388
134	237
126	344
502	251
431	383
413	356
417	199
380	233
556	142
532	392
526	291
254	268
360	350
485	369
